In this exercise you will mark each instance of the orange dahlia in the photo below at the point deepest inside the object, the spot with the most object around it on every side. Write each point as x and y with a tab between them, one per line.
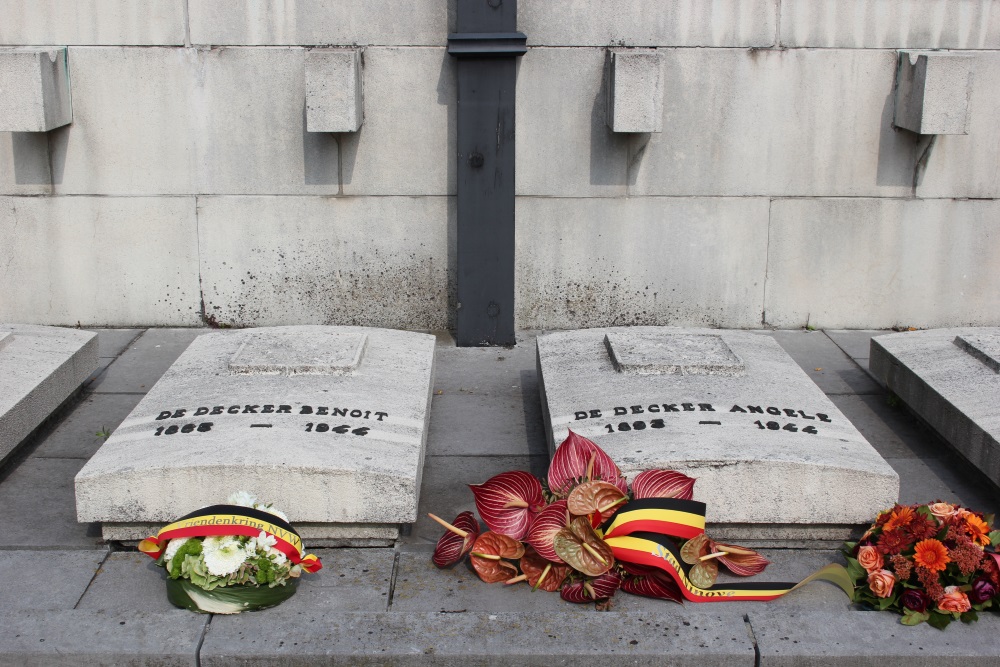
977	529
932	555
901	516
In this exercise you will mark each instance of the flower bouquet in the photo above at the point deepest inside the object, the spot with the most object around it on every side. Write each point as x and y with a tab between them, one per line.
930	563
226	559
585	532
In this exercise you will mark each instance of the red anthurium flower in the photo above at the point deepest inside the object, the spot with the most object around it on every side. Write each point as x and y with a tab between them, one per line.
543	530
488	554
579	460
541	573
592	590
650	582
508	502
740	560
457	540
662	484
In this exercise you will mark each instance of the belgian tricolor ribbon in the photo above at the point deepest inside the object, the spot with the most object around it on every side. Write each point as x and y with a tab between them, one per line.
641	533
233	520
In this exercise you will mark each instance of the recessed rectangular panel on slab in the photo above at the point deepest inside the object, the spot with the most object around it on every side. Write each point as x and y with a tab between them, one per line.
729	408
40	367
951	379
328	423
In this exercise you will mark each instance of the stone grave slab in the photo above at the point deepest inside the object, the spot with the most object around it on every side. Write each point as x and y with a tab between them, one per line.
40	367
328	423
951	379
775	460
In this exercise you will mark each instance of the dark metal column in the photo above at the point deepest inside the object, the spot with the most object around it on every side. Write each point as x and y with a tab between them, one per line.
486	45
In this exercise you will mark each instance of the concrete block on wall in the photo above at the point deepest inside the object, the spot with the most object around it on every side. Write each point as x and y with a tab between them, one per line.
854	263
334	101
34	90
932	92
100	261
635	91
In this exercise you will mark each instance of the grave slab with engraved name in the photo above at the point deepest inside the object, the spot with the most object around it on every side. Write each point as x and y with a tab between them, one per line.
40	367
774	459
327	423
951	379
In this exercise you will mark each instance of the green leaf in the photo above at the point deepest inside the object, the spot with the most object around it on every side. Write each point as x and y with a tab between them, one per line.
938	620
995	537
911	617
849	547
855	571
885	603
970	617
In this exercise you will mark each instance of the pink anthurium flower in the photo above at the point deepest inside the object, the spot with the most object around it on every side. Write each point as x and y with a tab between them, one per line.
662	484
508	502
580	460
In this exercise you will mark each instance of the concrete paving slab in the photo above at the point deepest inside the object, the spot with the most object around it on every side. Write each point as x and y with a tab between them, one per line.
146	359
838	374
486	425
482	638
856	343
39	507
868	639
102	366
484	370
893	432
127	581
947	479
76	435
445	490
83	637
112	342
26	577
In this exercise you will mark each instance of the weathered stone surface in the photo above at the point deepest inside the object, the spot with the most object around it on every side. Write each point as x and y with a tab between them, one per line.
326	448
109	261
26	576
85	22
229	22
407	143
635	91
334	101
766	447
370	261
966	165
34	90
855	263
683	638
890	24
932	92
566	149
648	22
608	261
775	122
40	367
949	378
24	163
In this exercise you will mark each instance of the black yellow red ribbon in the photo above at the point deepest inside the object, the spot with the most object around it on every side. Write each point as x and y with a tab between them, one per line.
641	533
233	520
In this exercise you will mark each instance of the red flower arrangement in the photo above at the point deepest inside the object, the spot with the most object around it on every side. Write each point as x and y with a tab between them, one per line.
554	534
932	563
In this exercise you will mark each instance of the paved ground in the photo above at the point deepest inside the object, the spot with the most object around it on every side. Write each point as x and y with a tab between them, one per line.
70	599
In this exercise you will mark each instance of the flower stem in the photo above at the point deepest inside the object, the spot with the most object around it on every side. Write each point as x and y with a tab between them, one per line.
517	579
593	552
457	531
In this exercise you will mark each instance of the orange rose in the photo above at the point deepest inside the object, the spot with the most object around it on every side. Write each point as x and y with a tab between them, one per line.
942	510
870	559
954	601
881	583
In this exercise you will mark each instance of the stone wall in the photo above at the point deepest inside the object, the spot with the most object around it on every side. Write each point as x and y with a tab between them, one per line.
187	190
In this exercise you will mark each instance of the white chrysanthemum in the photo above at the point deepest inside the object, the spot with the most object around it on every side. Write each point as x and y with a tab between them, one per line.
172	547
265	541
242	498
270	510
277	557
223	557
